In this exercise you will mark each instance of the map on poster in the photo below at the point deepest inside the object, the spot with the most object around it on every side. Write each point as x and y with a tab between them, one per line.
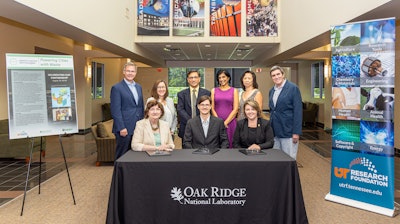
41	95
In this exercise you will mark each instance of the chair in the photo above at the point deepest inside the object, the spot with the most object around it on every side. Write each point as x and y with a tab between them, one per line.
105	141
310	113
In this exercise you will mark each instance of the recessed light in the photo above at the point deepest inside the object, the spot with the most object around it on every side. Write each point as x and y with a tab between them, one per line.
207	45
247	45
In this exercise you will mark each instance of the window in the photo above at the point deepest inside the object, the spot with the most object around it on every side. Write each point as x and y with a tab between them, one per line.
97	80
177	80
317	80
236	73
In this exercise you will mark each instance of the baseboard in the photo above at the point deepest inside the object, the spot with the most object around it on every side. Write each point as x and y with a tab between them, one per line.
84	131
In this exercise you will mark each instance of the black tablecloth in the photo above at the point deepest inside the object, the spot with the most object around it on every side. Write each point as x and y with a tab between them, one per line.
226	187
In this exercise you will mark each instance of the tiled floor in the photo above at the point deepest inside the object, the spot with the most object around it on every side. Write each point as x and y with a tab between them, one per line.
13	171
77	147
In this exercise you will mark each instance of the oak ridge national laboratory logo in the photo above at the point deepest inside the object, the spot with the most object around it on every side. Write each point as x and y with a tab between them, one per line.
209	196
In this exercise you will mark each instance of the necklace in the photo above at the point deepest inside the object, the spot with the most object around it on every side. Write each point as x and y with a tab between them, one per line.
155	127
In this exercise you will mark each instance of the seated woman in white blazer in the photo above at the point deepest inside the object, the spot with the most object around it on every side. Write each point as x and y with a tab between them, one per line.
151	133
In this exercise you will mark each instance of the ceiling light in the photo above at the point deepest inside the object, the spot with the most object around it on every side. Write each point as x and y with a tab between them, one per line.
242	50
171	49
207	45
87	47
247	45
168	45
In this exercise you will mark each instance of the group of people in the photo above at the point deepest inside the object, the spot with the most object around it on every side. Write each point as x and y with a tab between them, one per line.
220	118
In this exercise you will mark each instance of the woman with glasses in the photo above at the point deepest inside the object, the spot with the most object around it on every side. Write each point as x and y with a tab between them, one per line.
159	92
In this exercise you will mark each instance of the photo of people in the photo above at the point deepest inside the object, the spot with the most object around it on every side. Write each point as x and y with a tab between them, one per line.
346	103
62	114
261	18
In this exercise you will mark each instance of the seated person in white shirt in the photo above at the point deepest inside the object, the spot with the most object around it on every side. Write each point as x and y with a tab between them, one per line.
205	131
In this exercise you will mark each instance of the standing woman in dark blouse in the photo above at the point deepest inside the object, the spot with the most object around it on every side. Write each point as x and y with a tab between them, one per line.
254	132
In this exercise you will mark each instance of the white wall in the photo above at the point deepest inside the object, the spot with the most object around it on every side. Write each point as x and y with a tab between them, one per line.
20	40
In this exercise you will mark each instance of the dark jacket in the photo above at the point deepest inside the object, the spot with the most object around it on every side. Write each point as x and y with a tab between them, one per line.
194	135
287	116
184	107
264	136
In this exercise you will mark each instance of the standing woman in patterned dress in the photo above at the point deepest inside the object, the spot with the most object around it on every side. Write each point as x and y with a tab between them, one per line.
250	92
225	103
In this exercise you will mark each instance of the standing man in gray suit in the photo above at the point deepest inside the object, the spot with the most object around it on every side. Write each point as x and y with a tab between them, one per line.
205	131
187	100
127	108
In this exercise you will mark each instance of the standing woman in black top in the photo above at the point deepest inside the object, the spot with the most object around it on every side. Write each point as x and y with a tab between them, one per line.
254	132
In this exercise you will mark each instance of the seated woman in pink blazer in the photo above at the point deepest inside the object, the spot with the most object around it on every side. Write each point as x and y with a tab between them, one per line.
151	133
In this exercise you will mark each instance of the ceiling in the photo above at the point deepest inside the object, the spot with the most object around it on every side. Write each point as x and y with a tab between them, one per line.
316	48
208	51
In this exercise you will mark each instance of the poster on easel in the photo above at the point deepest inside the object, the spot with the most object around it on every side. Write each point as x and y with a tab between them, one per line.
41	95
363	98
188	18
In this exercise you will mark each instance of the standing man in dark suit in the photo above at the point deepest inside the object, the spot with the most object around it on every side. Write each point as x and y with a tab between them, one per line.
286	112
205	131
126	108
186	108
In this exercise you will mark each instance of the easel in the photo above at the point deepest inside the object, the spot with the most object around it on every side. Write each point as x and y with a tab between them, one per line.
40	169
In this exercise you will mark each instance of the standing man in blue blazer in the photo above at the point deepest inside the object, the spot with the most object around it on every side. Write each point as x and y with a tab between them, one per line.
185	98
286	112
127	108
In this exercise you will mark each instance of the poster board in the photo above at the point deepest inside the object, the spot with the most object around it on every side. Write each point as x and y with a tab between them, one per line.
41	95
362	172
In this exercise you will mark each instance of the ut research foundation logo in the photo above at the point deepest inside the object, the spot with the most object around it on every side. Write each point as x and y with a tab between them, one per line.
366	172
209	196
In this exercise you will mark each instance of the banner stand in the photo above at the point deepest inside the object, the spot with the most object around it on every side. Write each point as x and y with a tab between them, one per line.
40	171
361	205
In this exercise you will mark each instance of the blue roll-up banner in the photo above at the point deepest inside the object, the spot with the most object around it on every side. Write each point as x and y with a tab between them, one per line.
363	71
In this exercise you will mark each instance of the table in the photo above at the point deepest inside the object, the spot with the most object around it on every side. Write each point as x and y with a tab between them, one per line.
226	187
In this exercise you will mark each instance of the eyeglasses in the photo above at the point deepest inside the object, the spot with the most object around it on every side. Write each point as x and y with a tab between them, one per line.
155	109
193	77
205	105
161	87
